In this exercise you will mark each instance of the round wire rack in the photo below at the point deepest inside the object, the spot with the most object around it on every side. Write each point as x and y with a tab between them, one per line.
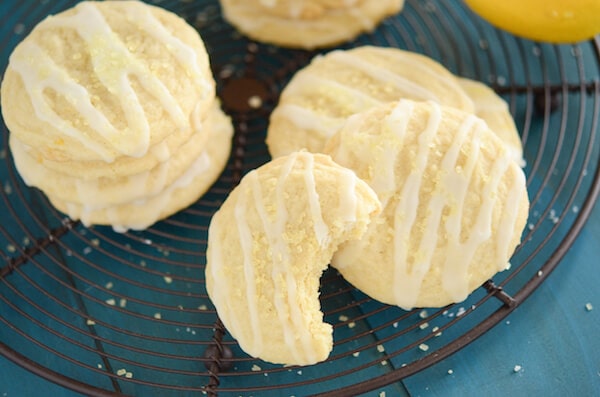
104	313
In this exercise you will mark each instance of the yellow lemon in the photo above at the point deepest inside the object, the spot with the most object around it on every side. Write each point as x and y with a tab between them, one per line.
556	21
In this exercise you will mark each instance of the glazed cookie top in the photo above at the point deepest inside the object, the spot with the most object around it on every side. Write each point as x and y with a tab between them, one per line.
454	203
307	24
104	80
269	244
320	97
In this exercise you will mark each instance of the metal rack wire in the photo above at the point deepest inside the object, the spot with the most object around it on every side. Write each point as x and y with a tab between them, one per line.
111	314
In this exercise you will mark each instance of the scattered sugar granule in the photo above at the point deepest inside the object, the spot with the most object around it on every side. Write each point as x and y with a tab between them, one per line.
423	347
384	362
111	302
256	368
380	348
255	102
382	394
450	372
143	263
460	312
7	188
424	325
109	285
168	279
588	307
435	331
121	371
507	322
299	372
202	307
89	321
351	324
423	314
99	366
19	28
395	325
11	248
540	273
95	242
122	302
147	241
356	354
517	368
129	375
343	318
575	209
157	316
87	250
3	153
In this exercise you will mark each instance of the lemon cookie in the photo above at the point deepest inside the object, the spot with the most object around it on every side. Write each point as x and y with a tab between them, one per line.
307	24
320	97
454	203
268	245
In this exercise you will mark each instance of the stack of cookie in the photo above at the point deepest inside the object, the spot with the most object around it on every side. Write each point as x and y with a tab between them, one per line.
307	24
112	112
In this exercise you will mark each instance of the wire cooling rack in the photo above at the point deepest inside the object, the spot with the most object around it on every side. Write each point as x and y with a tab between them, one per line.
127	314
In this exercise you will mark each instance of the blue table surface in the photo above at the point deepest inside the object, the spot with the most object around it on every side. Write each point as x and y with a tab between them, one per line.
549	346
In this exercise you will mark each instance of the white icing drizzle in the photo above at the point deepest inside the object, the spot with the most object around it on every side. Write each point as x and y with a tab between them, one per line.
382	74
308	82
455	270
26	60
383	179
407	282
308	119
288	312
320	228
255	344
279	254
113	65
